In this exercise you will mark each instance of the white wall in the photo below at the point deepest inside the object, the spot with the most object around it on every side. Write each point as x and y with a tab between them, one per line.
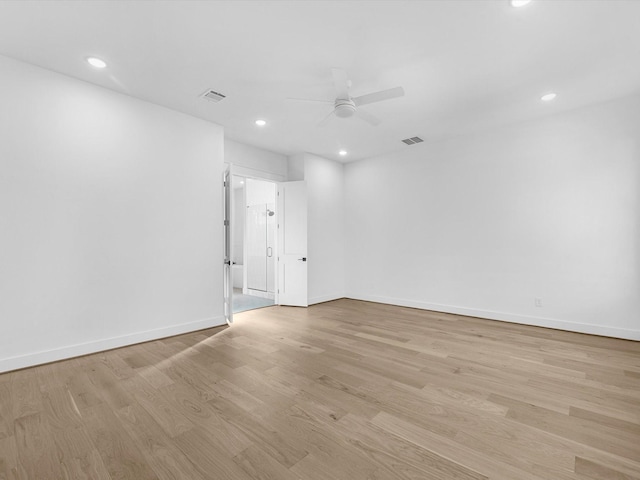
481	225
260	192
295	167
325	196
110	231
250	161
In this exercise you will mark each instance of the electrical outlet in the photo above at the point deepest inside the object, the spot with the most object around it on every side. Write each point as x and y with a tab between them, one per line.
538	302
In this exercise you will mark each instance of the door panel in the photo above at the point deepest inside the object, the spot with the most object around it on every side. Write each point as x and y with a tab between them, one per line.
292	244
228	248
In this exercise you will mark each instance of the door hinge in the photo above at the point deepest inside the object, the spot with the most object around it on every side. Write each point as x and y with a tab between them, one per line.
226	223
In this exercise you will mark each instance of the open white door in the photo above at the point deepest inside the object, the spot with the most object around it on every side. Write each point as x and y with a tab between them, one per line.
228	247
292	244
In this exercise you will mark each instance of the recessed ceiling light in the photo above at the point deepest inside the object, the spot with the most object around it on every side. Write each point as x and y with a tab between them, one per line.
342	153
96	62
519	3
261	123
548	97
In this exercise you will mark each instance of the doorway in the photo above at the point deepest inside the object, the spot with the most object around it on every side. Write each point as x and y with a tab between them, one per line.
254	226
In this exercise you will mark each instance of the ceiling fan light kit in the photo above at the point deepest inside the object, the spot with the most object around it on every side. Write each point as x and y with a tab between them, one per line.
346	106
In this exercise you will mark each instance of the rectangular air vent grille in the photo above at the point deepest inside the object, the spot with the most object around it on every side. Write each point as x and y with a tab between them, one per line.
412	140
213	96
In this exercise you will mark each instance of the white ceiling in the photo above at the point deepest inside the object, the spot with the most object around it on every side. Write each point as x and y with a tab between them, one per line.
465	65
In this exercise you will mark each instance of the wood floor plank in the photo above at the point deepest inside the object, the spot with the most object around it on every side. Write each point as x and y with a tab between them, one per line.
84	392
60	409
342	390
25	393
6	411
244	342
78	456
606	420
170	418
284	450
33	440
9	460
166	460
260	465
204	451
154	376
112	359
109	387
191	377
600	472
324	467
234	394
584	431
121	455
459	454
407	459
199	412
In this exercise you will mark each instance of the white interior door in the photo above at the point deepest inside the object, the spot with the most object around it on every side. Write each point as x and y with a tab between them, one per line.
228	247
292	244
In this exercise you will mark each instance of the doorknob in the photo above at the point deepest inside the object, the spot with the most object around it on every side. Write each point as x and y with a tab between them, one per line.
303	259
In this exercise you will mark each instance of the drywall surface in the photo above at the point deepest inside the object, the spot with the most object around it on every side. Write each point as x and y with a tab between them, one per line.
250	161
484	225
260	192
295	165
325	223
111	212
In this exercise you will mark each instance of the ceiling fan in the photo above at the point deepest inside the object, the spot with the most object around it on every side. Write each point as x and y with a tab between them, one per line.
345	106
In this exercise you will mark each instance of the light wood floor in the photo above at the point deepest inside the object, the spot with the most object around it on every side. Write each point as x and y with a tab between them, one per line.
345	390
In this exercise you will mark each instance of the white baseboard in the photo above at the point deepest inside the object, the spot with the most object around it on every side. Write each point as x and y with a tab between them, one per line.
591	329
70	351
325	298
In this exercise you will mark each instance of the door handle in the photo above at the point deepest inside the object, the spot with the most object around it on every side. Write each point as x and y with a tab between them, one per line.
269	251
303	259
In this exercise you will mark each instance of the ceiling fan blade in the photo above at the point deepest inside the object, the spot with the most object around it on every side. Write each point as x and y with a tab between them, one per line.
325	120
379	96
341	82
367	117
308	100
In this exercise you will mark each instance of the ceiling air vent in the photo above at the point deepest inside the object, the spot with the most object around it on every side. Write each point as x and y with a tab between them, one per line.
213	96
412	140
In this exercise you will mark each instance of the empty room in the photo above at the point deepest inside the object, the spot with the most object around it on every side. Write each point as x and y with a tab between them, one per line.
320	240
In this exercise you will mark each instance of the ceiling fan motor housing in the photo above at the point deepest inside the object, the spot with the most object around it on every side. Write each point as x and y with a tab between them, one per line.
344	108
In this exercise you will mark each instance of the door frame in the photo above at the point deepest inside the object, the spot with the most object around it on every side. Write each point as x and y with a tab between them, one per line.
246	172
227	244
246	289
